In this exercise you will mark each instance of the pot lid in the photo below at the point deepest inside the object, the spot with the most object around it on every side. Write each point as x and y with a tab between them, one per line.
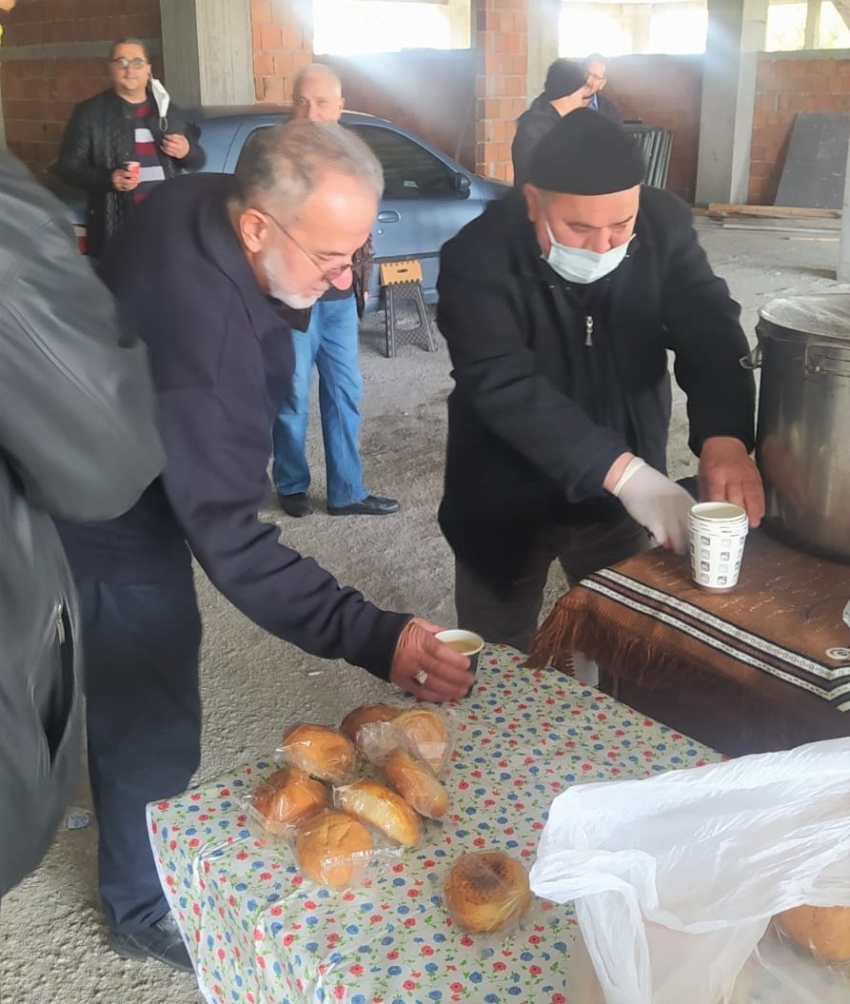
826	315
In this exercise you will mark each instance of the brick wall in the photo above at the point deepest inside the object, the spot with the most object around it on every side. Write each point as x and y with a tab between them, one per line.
787	84
283	44
424	90
39	94
500	44
663	91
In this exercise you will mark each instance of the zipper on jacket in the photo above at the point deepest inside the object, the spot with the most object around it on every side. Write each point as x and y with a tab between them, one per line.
588	328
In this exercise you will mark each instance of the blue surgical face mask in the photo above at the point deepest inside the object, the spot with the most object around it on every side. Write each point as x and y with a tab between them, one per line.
580	265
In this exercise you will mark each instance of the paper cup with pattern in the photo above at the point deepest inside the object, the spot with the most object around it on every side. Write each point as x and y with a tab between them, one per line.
718	531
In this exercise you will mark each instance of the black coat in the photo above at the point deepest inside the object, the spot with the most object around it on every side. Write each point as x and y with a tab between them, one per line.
608	108
77	441
221	358
98	139
531	127
529	439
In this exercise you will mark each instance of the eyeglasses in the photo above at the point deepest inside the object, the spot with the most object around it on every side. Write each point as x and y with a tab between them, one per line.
596	76
125	63
325	274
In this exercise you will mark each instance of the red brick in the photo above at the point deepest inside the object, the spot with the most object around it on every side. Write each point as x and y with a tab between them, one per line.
261	12
271	37
264	64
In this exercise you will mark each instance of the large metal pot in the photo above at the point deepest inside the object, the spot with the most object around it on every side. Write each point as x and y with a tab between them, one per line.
803	439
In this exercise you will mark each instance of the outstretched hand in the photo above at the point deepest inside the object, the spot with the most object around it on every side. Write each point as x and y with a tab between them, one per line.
420	657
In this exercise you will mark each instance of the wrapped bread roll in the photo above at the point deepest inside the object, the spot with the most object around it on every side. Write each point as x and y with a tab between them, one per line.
365	715
824	930
484	891
320	751
428	733
414	780
285	797
330	847
374	803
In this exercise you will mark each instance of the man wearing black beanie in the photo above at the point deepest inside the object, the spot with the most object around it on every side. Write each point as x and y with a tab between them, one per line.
566	89
559	304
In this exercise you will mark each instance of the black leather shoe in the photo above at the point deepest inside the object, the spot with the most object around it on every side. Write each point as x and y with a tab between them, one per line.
372	505
296	505
161	942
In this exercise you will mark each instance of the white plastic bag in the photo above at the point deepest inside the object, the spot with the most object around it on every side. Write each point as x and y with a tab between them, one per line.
677	876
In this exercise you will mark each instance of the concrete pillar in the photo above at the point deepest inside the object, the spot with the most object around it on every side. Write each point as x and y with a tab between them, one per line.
543	38
640	18
208	51
812	24
844	243
459	14
736	34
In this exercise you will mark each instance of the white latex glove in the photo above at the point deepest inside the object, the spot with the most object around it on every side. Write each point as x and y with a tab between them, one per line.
655	502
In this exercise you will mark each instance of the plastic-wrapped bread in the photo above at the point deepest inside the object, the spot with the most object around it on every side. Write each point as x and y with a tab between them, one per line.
285	797
416	782
320	751
368	714
487	890
332	848
427	731
824	930
377	805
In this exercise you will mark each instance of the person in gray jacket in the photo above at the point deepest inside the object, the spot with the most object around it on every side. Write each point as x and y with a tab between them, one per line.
77	441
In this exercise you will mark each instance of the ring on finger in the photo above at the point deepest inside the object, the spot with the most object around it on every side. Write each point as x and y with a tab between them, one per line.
421	677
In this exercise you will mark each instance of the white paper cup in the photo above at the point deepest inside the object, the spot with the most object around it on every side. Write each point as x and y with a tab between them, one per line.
718	531
468	643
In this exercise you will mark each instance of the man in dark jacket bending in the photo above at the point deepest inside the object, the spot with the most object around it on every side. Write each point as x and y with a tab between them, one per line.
213	272
132	122
559	304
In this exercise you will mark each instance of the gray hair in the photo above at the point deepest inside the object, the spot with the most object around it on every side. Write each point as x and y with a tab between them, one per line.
129	41
288	162
316	70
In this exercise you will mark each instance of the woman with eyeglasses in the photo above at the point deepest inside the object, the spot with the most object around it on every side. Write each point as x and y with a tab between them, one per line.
124	141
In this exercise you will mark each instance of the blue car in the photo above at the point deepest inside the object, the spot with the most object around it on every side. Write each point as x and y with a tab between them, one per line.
428	197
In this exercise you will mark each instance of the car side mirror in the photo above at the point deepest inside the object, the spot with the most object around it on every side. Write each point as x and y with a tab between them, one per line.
462	185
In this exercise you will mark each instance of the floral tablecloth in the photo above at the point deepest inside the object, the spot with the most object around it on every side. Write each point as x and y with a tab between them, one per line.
260	934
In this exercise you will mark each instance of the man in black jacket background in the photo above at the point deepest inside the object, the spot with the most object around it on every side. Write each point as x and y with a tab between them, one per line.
132	122
565	90
213	272
559	304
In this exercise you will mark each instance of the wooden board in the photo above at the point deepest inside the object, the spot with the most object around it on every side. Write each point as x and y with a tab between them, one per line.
779	212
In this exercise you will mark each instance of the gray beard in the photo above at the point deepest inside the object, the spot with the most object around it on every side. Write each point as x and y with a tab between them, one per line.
276	287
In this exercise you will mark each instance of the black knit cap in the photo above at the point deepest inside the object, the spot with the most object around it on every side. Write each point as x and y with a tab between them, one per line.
563	77
586	153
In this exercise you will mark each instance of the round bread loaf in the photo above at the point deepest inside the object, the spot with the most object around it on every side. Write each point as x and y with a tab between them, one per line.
374	803
428	732
824	930
320	751
286	796
328	847
486	890
416	782
365	715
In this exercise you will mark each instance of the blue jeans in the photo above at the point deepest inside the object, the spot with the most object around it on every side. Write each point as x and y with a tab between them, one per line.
331	343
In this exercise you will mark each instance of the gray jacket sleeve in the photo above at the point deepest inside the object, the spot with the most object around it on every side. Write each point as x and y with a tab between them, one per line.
77	406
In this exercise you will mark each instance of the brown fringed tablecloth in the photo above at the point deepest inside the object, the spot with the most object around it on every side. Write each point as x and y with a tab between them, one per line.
766	666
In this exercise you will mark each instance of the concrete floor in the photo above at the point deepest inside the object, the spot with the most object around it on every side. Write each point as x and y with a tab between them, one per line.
52	945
